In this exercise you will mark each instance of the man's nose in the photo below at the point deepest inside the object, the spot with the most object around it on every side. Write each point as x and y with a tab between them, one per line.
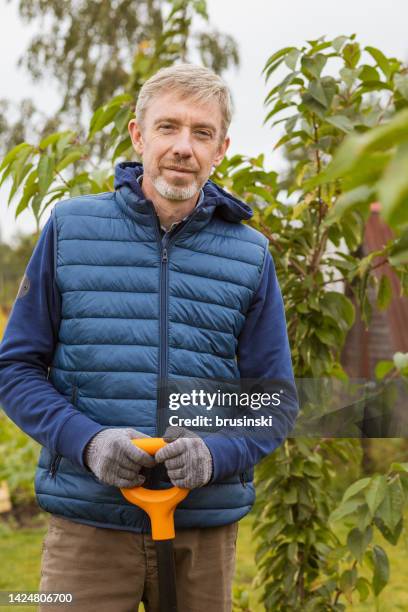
182	145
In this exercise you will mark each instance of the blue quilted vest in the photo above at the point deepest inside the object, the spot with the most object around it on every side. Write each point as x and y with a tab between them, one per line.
138	308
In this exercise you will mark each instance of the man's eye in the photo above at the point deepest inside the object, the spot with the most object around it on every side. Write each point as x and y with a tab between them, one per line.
165	126
203	134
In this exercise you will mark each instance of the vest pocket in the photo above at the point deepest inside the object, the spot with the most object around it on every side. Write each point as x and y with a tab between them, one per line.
55	458
54	465
246	477
242	479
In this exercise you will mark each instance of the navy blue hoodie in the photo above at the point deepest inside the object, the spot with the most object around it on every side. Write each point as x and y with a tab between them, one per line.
31	335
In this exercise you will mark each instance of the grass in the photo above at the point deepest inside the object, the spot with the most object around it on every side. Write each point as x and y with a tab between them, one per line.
20	556
392	599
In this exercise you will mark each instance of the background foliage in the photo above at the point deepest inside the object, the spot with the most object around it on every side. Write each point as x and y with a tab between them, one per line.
344	114
94	50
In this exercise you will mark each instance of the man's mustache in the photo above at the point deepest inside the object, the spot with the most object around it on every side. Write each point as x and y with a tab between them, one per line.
179	168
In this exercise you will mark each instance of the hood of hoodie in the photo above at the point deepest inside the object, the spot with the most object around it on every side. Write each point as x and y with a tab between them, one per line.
226	206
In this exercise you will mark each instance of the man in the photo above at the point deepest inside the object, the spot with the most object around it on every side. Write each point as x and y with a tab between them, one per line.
158	280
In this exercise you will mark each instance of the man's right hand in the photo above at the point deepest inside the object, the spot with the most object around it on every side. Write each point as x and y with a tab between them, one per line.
112	457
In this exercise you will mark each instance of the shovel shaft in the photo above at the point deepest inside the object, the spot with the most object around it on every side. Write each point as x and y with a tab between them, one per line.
167	576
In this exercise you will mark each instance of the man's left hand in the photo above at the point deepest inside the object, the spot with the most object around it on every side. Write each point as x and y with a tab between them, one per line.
187	458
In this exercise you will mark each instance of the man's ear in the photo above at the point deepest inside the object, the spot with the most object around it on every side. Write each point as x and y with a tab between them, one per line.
221	151
136	136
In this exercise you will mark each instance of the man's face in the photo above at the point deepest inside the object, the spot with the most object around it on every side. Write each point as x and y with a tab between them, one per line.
180	142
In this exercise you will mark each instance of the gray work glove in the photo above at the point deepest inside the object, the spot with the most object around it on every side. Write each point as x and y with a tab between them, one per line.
187	458
112	457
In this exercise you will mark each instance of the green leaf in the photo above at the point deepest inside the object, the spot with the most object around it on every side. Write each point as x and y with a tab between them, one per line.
317	92
387	135
356	147
399	467
19	170
313	65
30	189
290	497
400	360
381	60
331	336
67	138
345	509
94	120
363	588
120	100
122	119
375	492
52	139
383	368
320	46
338	42
344	160
339	308
292	58
272	68
69	159
359	196
278	55
355	488
398	254
36	204
330	88
101	118
45	173
384	294
347	582
123	146
341	122
337	371
349	75
12	155
200	6
6	173
391	509
401	84
351	54
381	569
392	536
312	469
292	552
393	189
357	542
368	73
287	138
279	106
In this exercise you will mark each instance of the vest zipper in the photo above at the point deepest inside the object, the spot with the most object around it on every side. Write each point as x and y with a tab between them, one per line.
165	243
57	459
163	343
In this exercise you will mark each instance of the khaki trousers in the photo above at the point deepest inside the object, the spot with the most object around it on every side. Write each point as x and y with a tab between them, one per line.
109	570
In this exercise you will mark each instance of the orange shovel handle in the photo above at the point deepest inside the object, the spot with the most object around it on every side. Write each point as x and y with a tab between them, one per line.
158	504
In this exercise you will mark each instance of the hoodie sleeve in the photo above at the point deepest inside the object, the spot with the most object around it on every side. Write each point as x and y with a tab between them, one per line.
263	354
26	352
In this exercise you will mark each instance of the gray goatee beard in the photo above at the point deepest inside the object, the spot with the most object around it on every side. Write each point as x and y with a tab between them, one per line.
171	192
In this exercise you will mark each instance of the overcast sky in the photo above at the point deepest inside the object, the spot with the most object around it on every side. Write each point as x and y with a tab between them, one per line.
260	27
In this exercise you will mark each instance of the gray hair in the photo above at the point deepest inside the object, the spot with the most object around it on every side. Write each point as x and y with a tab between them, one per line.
191	81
